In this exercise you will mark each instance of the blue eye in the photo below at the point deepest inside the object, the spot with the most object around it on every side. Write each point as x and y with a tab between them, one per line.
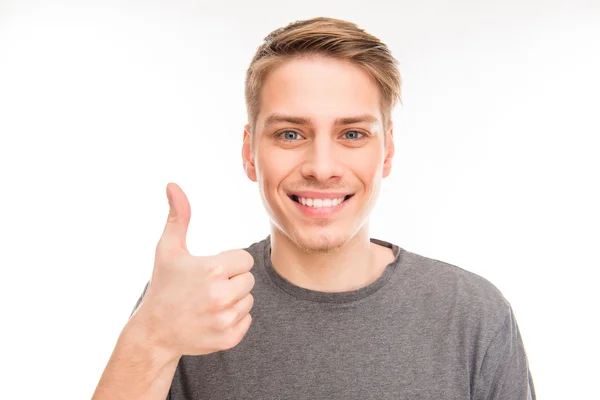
289	135
360	133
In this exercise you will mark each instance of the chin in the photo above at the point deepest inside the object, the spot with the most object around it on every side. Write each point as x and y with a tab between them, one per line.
322	241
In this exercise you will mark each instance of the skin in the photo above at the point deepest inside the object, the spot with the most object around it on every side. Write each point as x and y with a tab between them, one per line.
332	254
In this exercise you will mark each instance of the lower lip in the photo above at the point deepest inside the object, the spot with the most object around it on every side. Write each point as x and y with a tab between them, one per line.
321	212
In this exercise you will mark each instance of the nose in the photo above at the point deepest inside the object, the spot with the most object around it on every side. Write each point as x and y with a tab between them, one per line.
322	160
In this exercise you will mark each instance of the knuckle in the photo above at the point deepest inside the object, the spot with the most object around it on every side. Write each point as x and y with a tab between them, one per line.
212	297
162	255
210	264
231	340
249	260
225	320
226	343
218	300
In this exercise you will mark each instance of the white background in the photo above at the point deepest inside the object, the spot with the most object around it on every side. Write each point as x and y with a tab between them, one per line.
103	103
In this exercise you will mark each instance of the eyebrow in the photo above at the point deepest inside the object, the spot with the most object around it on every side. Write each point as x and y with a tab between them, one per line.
276	118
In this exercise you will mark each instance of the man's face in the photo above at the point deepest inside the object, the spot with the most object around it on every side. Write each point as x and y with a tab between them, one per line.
301	148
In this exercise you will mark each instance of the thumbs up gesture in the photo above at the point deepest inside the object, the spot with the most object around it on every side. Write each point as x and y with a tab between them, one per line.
195	305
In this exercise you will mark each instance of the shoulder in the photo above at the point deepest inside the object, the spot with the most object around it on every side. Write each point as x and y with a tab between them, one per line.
256	248
467	293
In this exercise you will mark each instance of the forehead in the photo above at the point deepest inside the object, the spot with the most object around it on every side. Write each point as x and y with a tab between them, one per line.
319	88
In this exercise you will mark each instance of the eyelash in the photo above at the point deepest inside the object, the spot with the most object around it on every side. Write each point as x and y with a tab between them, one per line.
279	135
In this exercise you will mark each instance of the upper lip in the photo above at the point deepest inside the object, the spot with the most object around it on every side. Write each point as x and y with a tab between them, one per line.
319	195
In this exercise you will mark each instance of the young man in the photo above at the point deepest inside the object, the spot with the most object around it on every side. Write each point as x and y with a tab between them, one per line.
336	314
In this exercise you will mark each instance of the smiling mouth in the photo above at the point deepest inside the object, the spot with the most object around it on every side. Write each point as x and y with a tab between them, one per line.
297	200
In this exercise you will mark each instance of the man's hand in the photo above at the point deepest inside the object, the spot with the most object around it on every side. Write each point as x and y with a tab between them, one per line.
194	305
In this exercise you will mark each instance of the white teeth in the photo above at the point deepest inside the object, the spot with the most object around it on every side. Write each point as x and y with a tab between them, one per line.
318	203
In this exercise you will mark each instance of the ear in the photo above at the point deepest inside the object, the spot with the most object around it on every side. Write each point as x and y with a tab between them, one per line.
389	150
247	155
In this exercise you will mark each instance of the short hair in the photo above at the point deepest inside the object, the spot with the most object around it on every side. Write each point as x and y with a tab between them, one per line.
327	37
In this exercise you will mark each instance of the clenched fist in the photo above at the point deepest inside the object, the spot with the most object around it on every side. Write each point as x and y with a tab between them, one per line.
195	305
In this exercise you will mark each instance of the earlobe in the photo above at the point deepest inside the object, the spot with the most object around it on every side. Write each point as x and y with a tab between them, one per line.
247	156
389	151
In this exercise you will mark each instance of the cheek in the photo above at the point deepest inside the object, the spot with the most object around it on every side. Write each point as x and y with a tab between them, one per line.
275	167
367	167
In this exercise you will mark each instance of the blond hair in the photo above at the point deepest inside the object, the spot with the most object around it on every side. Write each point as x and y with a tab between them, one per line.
325	37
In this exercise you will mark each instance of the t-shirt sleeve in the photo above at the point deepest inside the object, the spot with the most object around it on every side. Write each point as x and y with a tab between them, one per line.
137	304
504	372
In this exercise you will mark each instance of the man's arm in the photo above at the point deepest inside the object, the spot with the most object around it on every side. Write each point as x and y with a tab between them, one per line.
137	369
196	305
504	373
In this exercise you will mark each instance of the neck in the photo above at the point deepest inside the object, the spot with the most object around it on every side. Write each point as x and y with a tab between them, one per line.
350	266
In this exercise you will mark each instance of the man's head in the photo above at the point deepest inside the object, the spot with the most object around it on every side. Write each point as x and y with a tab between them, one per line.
319	96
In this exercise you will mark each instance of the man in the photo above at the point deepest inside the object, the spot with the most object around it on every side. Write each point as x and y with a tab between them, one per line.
335	314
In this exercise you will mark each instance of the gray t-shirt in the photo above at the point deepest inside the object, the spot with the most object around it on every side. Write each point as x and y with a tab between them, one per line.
425	329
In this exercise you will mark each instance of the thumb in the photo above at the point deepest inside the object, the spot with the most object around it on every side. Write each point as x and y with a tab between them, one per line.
175	233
